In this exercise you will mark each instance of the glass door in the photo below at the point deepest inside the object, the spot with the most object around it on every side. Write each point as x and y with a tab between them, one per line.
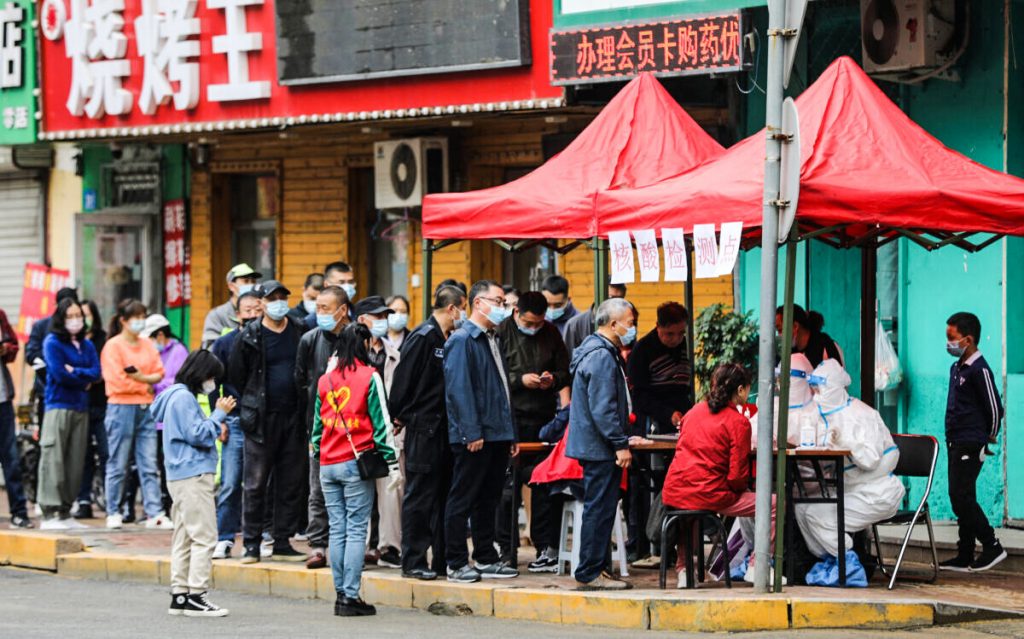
115	260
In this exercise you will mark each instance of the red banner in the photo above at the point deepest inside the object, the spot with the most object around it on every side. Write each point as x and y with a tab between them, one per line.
177	276
38	297
154	68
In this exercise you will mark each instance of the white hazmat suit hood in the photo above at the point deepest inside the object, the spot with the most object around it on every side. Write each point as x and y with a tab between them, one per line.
801	399
872	492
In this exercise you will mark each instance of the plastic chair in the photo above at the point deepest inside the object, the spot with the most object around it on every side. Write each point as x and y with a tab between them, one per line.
572	518
692	536
918	456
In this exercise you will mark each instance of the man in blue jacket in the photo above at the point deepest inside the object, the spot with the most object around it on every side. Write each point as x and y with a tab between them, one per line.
482	435
597	436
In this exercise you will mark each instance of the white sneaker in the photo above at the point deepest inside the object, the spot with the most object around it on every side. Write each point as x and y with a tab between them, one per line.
74	524
749	577
38	510
266	551
681	581
53	523
160	522
223	549
115	521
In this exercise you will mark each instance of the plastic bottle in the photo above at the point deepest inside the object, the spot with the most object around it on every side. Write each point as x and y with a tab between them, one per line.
808	432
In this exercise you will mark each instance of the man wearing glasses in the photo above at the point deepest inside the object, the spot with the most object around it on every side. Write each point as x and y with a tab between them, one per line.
482	433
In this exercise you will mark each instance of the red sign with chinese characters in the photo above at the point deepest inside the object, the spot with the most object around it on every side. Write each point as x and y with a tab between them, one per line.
177	275
159	66
708	44
38	295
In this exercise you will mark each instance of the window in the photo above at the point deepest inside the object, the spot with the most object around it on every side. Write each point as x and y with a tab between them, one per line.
253	203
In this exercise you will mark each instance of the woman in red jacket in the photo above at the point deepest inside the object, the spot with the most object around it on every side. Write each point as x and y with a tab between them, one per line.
711	468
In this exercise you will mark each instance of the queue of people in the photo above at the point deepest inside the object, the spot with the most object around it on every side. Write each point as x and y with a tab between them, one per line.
334	418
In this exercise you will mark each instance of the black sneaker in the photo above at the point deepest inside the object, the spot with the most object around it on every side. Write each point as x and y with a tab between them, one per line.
465	575
546	562
84	510
178	603
423	574
287	553
496	571
960	563
390	558
17	521
989	557
251	555
348	607
199	606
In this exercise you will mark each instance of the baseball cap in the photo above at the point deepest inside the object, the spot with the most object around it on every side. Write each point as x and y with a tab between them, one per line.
271	286
242	270
372	305
154	322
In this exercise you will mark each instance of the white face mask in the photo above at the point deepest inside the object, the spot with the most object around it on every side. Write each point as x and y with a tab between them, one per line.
74	326
209	386
309	306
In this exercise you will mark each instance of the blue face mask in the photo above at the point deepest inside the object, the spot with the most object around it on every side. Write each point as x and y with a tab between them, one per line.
137	325
553	314
525	330
497	314
277	309
462	320
350	290
629	337
326	322
379	328
954	348
245	288
398	321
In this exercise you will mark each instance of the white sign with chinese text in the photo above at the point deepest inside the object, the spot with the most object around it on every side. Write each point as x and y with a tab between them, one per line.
729	247
620	247
705	251
673	243
647	252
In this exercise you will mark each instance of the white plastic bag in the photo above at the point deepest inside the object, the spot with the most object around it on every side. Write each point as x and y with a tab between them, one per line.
888	372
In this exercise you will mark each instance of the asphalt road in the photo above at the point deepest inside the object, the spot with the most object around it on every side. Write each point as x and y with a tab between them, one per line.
40	605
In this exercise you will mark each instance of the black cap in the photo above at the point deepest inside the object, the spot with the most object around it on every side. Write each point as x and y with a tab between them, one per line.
372	305
268	287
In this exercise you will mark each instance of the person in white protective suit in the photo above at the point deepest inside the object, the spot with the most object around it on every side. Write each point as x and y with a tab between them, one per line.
801	400
872	493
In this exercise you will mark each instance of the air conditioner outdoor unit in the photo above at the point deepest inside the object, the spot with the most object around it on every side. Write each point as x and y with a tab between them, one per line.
406	170
900	36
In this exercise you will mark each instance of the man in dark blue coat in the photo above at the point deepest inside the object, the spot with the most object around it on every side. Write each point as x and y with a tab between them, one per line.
597	436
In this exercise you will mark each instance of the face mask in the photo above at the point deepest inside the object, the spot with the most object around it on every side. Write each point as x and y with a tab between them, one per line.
160	348
277	309
137	326
628	338
554	313
245	288
309	306
379	328
326	321
249	320
462	319
74	326
398	321
88	322
350	290
209	386
497	314
526	331
816	381
954	349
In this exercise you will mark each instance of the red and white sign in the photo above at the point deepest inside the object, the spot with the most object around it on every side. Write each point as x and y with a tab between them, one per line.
177	266
142	67
39	295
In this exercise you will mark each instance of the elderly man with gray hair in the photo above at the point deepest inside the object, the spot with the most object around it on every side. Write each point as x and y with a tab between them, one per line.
597	436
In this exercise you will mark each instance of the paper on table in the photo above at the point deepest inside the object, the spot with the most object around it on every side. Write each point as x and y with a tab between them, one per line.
729	247
621	248
673	243
705	251
647	252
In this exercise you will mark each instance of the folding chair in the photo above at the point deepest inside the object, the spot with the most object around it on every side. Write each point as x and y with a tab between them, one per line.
918	456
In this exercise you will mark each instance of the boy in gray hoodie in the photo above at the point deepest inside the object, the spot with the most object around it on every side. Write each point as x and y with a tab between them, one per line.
190	458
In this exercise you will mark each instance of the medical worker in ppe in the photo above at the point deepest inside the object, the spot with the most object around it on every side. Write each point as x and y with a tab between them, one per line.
802	408
872	494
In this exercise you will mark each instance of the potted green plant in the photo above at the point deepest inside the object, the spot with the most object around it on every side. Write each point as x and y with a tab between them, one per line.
723	336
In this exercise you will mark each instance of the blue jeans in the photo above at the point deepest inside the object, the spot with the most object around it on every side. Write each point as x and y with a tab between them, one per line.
349	500
97	448
127	423
9	460
229	496
601	480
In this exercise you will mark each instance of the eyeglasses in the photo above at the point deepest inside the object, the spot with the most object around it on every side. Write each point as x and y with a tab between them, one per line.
498	301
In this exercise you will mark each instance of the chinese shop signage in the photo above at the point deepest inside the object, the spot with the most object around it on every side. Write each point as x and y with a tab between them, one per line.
700	45
17	73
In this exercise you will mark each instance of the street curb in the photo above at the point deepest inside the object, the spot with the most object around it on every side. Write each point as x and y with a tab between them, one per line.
648	610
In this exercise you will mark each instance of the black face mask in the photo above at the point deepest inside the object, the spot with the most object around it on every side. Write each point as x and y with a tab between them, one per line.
248	321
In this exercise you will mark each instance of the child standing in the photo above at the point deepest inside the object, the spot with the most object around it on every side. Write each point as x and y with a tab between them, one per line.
190	457
973	415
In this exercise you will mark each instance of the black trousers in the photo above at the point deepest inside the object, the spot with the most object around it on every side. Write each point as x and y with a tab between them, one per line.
965	460
282	454
428	478
477	480
545	509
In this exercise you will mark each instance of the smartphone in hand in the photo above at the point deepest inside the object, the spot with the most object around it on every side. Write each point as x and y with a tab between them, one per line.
130	369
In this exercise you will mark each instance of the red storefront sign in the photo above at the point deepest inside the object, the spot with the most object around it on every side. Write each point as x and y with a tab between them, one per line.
707	44
38	296
177	271
171	66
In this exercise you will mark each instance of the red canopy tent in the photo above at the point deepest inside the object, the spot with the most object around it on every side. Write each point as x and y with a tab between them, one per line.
868	174
641	136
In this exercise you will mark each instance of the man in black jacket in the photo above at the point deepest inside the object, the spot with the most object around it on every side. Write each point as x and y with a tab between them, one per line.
315	350
307	304
538	369
262	368
417	404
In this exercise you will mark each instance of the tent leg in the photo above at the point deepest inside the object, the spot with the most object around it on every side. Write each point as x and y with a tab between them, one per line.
690	337
428	276
600	272
868	306
783	432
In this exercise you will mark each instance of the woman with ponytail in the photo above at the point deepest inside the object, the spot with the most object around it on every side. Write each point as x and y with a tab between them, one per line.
711	468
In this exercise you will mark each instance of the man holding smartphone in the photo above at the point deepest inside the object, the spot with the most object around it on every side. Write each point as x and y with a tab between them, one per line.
538	370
